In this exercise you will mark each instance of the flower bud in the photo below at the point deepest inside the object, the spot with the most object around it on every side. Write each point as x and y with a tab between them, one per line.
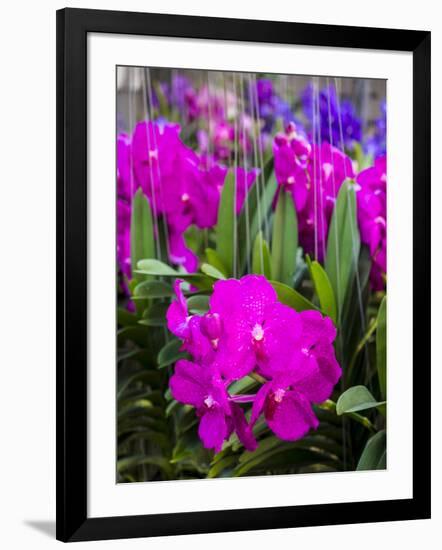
211	326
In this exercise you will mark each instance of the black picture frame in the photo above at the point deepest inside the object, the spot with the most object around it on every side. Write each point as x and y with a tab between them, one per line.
73	25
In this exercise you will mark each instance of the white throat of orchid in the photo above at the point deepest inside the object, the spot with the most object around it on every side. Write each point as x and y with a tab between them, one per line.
209	401
279	394
185	197
257	332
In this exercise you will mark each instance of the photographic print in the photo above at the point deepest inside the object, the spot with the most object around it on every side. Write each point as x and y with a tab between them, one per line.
251	254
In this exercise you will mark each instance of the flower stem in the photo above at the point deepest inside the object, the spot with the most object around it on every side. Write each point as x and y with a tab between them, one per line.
330	405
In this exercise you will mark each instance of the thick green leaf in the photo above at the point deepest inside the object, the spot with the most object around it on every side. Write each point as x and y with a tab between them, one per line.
142	243
160	269
381	347
170	353
212	271
291	297
198	304
374	455
155	315
343	244
152	289
217	468
261	257
225	224
323	289
284	239
137	460
215	260
125	318
150	266
255	211
357	398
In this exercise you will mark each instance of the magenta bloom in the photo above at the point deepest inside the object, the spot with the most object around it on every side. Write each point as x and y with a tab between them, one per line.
372	217
246	330
308	375
195	385
124	178
202	388
314	175
188	327
257	330
292	152
123	237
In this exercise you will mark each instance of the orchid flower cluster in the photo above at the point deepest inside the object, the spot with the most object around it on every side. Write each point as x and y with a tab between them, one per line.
248	332
313	175
180	184
372	217
337	120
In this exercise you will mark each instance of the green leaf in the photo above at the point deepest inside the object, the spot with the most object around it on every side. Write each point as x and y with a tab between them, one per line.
357	398
343	244
259	202
215	260
125	318
381	347
138	460
374	455
212	271
284	239
152	289
261	257
323	289
155	267
221	465
155	315
160	269
170	353
198	304
141	231
291	297
225	224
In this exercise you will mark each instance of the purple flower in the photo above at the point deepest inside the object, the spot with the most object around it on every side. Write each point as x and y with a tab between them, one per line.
372	217
313	174
245	330
376	144
292	152
124	178
308	375
331	113
188	328
195	385
271	106
257	330
123	237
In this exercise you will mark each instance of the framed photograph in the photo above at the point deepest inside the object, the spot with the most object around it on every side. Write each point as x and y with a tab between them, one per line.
239	345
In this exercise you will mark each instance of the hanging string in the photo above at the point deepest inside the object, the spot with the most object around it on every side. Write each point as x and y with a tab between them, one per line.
353	236
255	122
151	153
261	176
235	166
246	195
315	84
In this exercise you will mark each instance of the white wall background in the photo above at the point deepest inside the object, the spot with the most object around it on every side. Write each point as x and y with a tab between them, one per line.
27	245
